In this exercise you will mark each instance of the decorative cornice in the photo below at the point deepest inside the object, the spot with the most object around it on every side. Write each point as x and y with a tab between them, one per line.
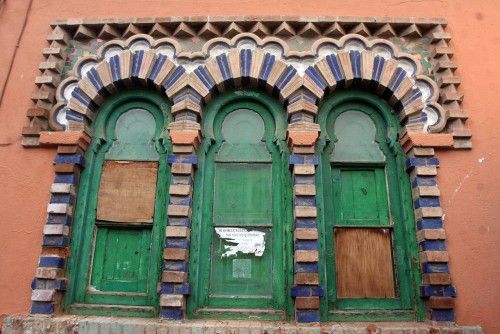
190	44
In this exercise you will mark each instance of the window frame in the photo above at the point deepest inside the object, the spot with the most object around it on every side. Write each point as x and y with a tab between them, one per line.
203	201
84	222
410	307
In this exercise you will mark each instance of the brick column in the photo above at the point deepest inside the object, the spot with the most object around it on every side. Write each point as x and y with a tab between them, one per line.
302	135
185	136
436	287
50	278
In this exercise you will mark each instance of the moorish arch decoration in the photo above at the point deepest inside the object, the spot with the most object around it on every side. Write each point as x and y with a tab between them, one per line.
406	63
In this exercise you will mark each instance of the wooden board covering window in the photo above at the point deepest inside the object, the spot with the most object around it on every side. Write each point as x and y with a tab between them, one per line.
364	263
127	192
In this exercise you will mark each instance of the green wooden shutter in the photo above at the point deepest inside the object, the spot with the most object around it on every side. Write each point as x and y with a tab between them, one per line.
121	208
242	232
367	222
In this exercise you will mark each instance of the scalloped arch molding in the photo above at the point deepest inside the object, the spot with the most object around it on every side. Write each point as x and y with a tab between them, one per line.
352	61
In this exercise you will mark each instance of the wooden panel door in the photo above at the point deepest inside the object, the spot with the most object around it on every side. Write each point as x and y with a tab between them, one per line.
242	260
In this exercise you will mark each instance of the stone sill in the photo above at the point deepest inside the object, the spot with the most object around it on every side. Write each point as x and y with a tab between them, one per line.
113	325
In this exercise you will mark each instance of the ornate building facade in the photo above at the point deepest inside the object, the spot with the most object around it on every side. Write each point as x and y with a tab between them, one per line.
245	173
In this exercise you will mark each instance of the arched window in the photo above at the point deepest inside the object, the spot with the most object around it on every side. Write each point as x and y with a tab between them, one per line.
241	246
121	210
370	259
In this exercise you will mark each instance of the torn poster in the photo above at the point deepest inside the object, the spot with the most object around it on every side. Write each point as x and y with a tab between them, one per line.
244	241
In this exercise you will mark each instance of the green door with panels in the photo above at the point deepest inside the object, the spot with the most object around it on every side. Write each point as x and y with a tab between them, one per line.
121	210
242	264
368	232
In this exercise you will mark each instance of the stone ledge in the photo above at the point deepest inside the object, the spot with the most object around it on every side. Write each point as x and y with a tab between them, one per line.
113	325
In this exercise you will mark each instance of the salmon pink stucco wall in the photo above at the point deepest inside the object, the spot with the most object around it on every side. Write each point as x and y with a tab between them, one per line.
469	180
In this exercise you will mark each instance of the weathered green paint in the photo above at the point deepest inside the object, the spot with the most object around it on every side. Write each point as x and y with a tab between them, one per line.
359	189
121	259
242	182
130	253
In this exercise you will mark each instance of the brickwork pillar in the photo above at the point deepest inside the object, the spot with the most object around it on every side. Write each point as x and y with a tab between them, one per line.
185	135
302	135
50	277
436	289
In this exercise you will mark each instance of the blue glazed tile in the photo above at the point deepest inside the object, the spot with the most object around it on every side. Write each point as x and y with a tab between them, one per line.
175	266
74	116
433	245
157	66
438	290
55	241
178	289
414	162
62	198
245	62
172	79
182	289
335	67
79	95
413	95
305	200
305	223
267	66
296	159
50	284
114	65
205	77
306	267
417	119
307	291
95	79
137	58
224	68
427	202
177	243
443	315
180	200
179	221
306	245
423	181
355	57
66	178
171	313
308	316
42	308
181	158
378	65
54	218
435	268
51	262
77	159
285	78
429	223
316	77
397	78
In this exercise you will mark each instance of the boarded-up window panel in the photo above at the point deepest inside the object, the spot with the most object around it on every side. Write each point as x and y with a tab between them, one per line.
364	263
127	192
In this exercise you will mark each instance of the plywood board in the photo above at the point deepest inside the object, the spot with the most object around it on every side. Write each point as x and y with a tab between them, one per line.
127	192
364	263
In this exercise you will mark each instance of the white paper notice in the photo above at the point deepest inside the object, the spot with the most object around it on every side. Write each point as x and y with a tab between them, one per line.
246	242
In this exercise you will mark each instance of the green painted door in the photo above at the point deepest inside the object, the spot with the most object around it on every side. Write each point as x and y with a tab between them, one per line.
121	210
242	269
368	230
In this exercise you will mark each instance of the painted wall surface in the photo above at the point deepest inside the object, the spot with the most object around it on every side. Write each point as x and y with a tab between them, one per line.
469	180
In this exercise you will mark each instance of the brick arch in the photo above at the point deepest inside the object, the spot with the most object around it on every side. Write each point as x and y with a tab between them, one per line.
238	68
369	71
126	69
